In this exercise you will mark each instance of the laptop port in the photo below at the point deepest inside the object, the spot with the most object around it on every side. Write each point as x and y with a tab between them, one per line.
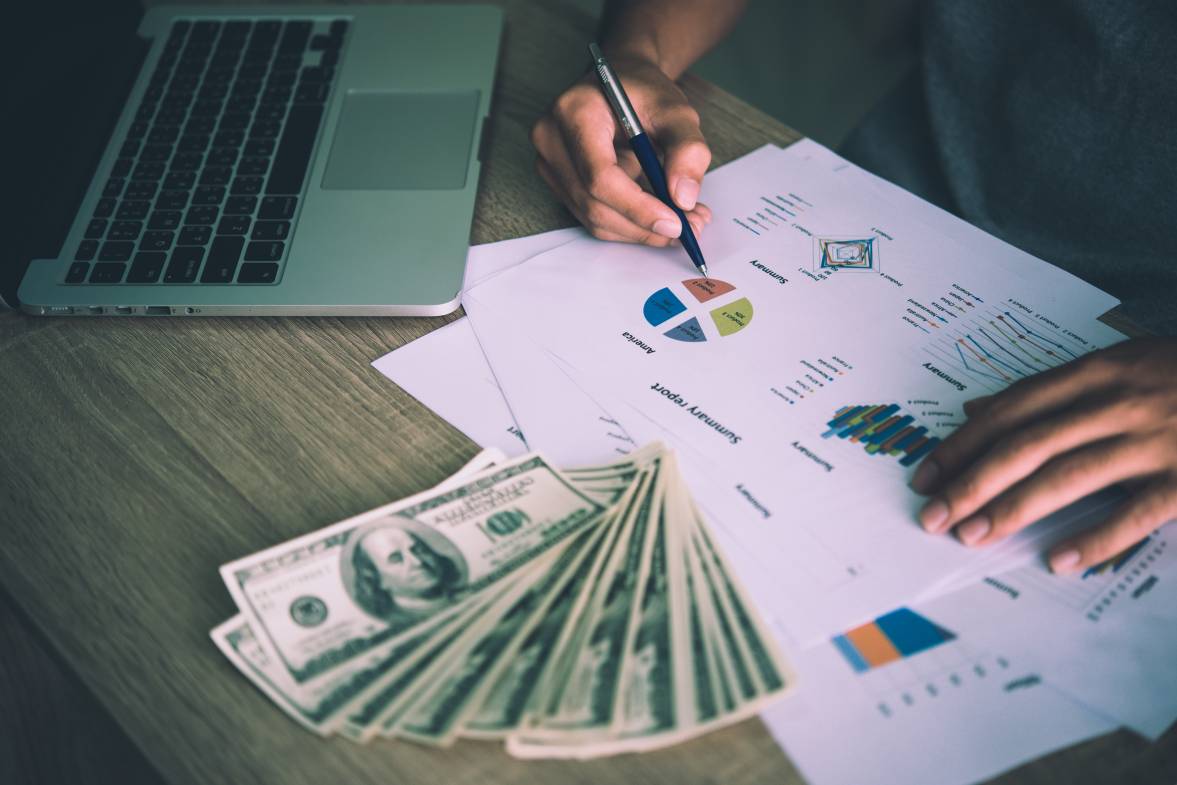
60	310
158	310
124	310
96	310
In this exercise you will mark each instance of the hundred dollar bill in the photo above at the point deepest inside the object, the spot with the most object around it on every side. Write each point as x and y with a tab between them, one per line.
435	718
503	708
332	599
587	697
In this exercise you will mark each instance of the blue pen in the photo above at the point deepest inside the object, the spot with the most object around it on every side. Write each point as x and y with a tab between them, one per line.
644	150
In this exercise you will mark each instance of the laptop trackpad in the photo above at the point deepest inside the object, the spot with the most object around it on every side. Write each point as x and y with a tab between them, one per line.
402	141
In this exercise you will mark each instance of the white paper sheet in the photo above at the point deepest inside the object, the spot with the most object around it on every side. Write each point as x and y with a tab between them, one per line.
446	369
756	401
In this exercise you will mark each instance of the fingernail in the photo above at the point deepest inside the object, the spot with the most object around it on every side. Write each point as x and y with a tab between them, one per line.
1064	561
973	530
934	515
925	475
668	228
686	193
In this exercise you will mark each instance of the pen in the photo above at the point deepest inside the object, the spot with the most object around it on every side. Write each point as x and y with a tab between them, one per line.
644	150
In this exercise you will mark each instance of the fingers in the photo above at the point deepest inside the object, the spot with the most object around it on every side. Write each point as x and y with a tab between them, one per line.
602	221
1015	457
687	155
588	140
990	420
1060	482
1152	507
584	160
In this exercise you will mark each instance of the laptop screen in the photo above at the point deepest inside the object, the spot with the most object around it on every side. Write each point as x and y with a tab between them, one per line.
69	67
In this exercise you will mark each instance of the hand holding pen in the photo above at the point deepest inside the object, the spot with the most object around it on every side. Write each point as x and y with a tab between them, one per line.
586	160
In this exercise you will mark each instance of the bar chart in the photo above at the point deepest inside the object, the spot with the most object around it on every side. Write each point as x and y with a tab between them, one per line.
899	634
883	429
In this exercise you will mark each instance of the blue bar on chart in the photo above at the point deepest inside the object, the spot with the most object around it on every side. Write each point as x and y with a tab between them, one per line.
882	429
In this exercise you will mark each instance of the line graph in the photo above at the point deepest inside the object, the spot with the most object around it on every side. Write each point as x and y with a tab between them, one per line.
996	347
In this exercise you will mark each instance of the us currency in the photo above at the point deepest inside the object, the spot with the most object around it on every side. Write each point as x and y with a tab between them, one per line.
586	701
590	613
337	598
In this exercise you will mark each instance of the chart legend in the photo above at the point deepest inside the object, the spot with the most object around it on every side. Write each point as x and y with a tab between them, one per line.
895	636
725	310
883	429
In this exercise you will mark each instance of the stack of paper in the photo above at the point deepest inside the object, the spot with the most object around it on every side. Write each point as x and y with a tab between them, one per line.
845	323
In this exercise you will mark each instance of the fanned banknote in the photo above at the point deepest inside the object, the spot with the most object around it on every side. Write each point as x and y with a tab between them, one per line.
571	614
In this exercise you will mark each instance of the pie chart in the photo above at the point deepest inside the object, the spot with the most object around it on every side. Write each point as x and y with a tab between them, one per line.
678	310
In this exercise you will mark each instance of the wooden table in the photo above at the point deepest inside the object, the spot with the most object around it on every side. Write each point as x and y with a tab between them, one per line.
140	454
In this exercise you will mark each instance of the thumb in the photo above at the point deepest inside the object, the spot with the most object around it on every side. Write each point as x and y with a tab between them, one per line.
687	155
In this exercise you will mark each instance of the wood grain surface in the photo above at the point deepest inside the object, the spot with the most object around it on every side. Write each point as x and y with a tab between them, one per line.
140	454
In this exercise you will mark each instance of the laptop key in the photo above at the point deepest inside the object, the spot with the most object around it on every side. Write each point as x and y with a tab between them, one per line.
122	167
294	151
156	241
216	175
240	205
247	186
321	42
314	73
140	189
311	93
257	272
147	171
223	256
270	230
193	143
204	31
208	194
77	272
129	149
107	272
234	224
222	156
165	220
156	152
195	235
264	129
105	207
277	207
339	27
86	250
172	200
133	211
95	229
116	251
114	186
254	165
146	267
264	251
232	138
259	147
203	215
125	230
184	263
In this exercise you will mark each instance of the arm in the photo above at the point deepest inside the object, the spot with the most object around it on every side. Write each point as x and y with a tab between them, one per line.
582	154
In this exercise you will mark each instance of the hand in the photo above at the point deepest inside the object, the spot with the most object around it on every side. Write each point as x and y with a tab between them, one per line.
1107	418
585	158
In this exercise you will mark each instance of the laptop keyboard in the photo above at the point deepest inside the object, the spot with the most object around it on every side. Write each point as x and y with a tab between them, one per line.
208	179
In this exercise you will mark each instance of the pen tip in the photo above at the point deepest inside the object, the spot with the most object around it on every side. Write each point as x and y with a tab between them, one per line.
703	269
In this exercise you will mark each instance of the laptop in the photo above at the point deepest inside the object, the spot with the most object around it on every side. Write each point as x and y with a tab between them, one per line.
257	160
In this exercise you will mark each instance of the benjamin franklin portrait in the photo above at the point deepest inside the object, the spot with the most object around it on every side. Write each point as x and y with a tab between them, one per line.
397	568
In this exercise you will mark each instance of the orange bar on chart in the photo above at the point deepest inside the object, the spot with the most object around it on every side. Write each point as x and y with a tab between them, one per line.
873	644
